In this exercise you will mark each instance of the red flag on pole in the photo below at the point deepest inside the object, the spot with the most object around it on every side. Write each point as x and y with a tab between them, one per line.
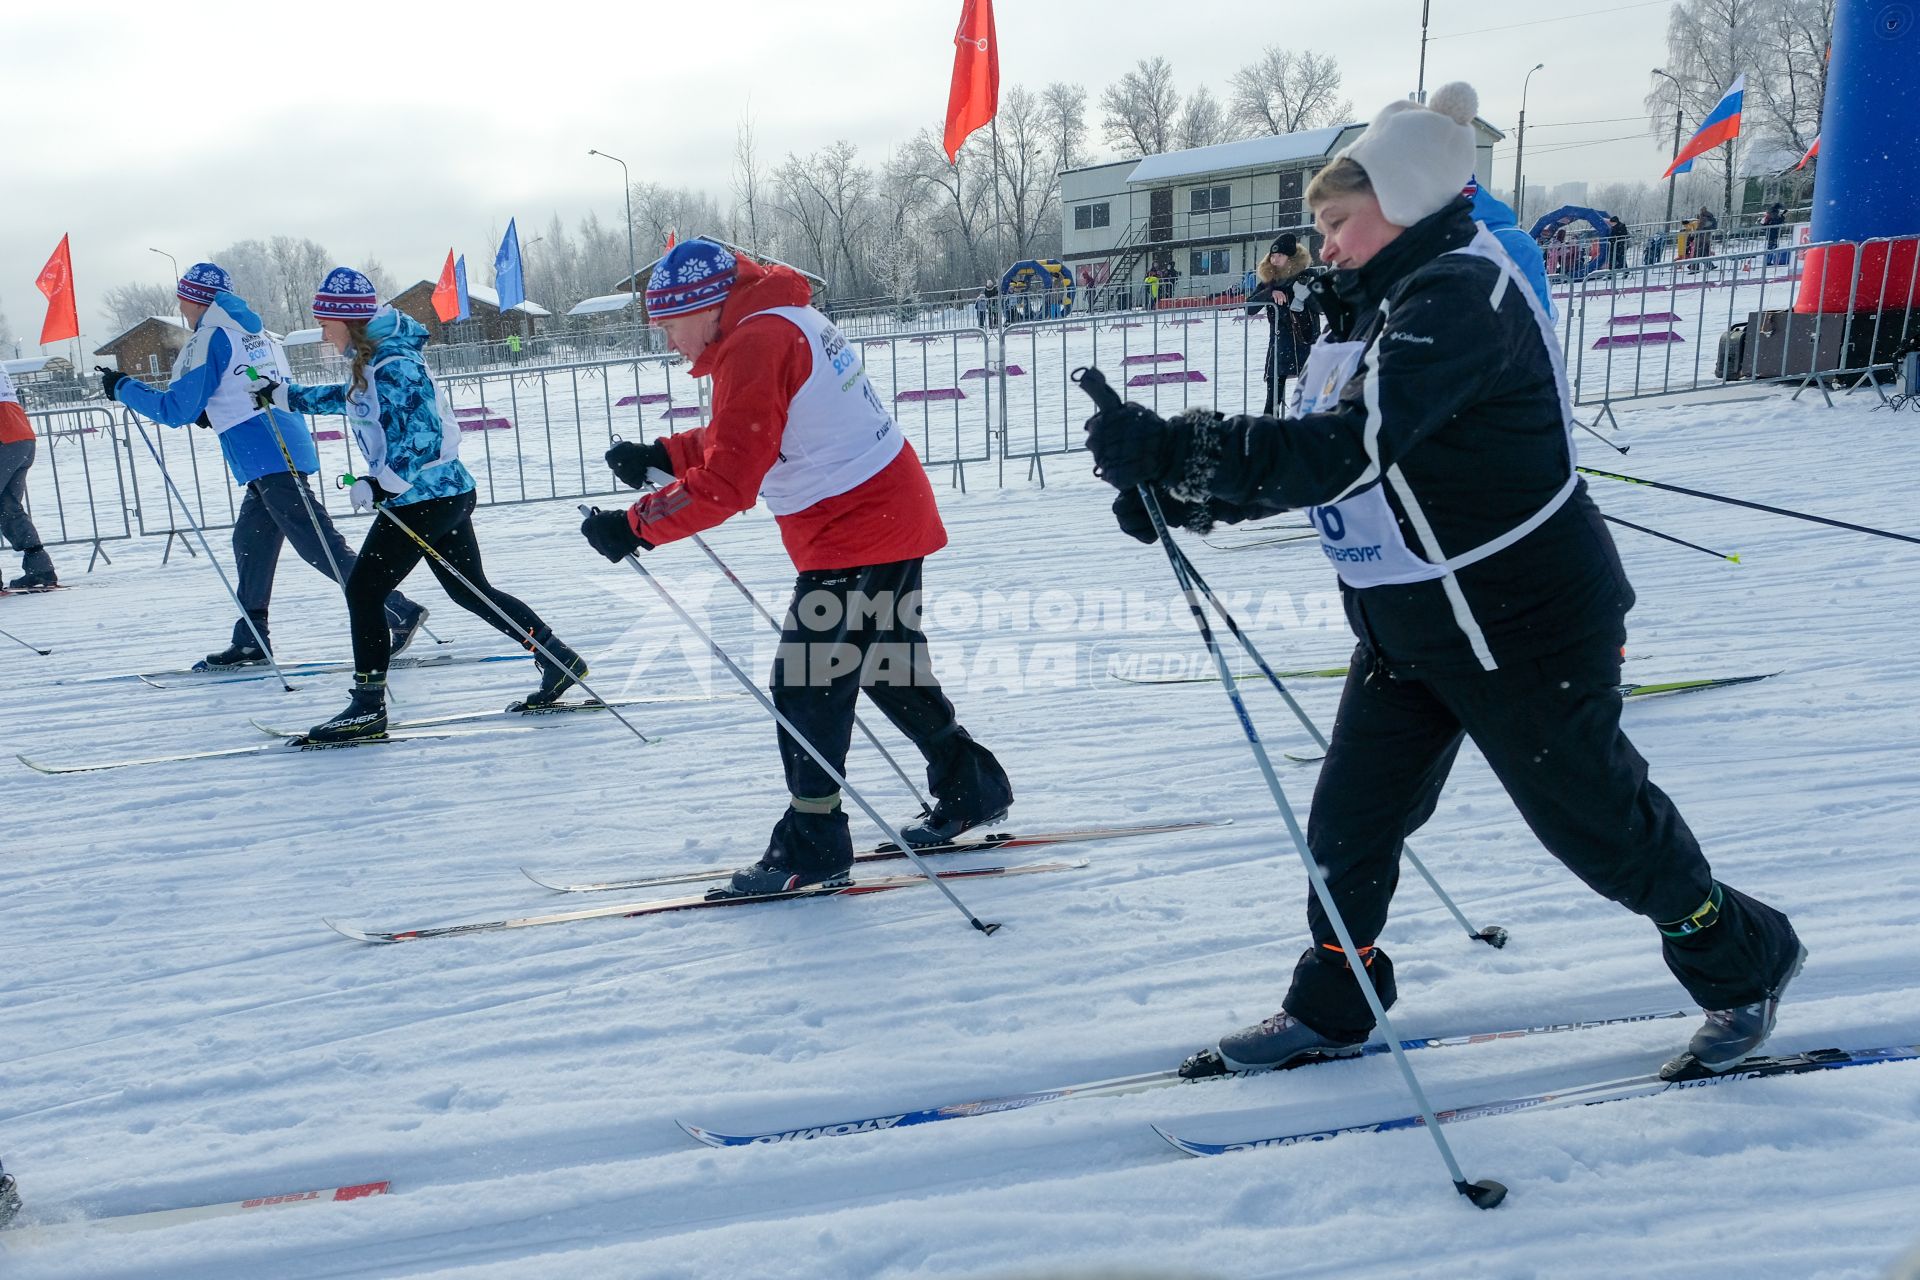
56	281
975	95
446	292
1812	151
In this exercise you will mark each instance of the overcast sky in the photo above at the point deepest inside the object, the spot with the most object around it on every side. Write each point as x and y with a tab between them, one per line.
397	129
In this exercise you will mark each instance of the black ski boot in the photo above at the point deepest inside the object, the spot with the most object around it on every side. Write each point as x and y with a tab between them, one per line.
36	580
555	677
365	716
401	634
969	789
241	653
9	1198
805	849
1729	1035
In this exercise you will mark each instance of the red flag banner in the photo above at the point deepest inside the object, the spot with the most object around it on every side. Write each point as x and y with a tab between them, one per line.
1812	151
56	281
446	292
975	95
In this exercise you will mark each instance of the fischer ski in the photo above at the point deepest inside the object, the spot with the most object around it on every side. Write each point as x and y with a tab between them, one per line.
1119	1085
27	1231
513	711
1582	1095
279	747
183	676
888	851
692	903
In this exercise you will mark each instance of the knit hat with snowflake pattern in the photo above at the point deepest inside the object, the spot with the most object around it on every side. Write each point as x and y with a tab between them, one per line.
202	282
345	295
1418	158
695	275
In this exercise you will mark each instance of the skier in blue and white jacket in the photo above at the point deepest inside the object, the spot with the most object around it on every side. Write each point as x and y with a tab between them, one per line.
411	444
271	453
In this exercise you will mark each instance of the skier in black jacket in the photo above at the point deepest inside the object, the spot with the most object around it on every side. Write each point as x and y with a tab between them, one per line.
1434	454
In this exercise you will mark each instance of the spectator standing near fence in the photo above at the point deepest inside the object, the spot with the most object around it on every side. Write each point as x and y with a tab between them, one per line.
17	446
1291	311
1616	243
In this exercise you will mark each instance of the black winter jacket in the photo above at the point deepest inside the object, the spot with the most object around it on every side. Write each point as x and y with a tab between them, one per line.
1470	411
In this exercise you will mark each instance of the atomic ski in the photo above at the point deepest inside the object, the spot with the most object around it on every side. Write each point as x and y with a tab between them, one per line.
286	747
1582	1095
264	671
691	904
513	711
884	852
26	1231
1117	1085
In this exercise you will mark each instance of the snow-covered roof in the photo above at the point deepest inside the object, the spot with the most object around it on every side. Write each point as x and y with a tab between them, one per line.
605	303
1764	159
1249	153
176	321
25	365
480	293
301	338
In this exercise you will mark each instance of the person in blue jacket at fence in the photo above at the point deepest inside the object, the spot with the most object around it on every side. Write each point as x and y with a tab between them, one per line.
271	453
411	443
1493	214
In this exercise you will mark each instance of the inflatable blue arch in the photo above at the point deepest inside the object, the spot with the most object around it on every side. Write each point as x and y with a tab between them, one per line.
1586	239
1046	282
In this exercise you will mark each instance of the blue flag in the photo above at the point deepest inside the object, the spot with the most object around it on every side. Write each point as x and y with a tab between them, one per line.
507	280
460	280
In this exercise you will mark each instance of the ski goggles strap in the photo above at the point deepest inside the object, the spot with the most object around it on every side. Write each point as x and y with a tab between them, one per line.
1705	916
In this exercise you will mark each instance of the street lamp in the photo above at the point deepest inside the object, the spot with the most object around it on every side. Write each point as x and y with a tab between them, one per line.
626	185
169	257
1520	150
1672	178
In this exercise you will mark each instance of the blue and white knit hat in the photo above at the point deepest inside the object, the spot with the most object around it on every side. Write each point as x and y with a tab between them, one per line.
694	275
202	281
345	295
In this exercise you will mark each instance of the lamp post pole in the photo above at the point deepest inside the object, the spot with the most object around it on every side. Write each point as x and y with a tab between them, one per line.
1673	177
1520	151
633	271
170	258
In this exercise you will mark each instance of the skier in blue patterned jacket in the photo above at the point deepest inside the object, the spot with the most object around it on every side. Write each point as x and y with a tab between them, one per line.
414	473
270	453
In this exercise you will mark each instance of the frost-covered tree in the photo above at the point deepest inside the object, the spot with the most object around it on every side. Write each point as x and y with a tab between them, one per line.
126	305
1141	109
1285	91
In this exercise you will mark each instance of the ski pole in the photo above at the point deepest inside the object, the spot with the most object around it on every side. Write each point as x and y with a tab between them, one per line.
1493	935
45	653
1756	506
1640	528
657	478
487	600
766	702
306	499
1484	1194
174	490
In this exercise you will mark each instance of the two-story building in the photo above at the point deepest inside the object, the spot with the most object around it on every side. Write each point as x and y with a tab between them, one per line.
1197	220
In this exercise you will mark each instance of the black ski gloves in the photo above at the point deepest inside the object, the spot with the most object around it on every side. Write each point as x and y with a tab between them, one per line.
611	534
1133	445
630	462
263	389
109	379
1130	513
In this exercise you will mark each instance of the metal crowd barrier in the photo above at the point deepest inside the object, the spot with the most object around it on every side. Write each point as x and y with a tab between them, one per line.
67	486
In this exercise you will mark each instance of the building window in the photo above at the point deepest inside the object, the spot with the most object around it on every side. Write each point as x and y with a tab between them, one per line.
1087	217
1212	262
1210	199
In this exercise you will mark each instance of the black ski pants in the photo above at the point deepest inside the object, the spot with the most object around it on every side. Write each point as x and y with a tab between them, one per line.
273	513
1550	730
849	631
388	555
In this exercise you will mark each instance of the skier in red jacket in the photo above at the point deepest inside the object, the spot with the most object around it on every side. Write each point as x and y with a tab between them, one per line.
796	423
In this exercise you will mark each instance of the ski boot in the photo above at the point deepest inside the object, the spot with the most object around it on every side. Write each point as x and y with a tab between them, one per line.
1279	1043
9	1198
241	653
1730	1035
35	580
365	716
401	634
969	788
555	677
806	848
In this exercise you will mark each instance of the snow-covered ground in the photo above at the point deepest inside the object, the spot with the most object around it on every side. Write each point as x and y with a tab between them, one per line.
177	1027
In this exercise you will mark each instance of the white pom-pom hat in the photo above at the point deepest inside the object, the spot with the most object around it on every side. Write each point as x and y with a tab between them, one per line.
1419	157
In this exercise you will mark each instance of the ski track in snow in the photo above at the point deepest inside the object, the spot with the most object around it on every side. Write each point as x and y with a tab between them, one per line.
177	1027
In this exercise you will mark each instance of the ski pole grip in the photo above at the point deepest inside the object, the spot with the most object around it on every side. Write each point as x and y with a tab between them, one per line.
1095	384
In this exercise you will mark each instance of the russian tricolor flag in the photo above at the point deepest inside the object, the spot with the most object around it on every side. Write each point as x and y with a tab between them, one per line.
1722	125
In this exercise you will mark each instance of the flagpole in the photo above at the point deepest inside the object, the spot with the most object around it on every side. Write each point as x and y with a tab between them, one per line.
999	213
